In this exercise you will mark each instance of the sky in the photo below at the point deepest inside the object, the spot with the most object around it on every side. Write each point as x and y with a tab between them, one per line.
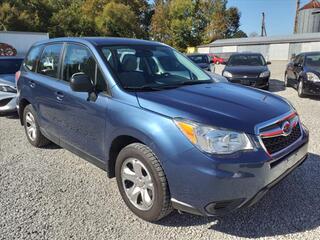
280	15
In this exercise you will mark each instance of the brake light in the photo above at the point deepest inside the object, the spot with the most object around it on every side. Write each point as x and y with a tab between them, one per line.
17	76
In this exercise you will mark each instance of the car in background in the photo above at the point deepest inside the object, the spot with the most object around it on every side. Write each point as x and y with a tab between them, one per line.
303	73
216	59
202	60
8	92
250	69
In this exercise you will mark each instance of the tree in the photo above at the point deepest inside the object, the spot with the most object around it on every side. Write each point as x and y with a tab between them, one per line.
160	22
118	20
239	34
11	19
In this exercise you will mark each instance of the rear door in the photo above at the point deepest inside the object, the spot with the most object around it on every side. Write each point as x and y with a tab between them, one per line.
42	85
83	120
297	68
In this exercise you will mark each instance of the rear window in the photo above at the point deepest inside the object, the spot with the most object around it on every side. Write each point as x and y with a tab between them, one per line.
10	66
49	61
31	60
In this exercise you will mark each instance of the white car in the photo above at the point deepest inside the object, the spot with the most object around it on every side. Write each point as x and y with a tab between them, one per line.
8	92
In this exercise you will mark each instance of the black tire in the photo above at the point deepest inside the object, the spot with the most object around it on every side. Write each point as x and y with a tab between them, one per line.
39	140
300	89
161	206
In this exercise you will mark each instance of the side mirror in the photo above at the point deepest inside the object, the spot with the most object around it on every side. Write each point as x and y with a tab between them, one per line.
211	60
297	64
81	82
268	63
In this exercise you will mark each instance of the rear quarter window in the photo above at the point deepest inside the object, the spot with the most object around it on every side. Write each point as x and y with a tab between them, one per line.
32	58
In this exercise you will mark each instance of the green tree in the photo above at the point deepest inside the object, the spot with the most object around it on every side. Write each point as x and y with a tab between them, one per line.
160	22
118	20
12	19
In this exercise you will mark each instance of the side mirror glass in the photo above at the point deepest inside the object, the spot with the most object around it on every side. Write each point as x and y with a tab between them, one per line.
81	82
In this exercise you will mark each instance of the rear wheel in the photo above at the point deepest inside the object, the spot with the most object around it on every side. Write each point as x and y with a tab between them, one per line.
32	128
142	182
300	89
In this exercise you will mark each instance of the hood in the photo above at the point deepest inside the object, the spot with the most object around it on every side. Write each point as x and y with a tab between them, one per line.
246	70
218	104
7	79
315	70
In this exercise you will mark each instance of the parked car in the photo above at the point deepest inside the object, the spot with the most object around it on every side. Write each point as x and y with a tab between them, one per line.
202	60
216	59
172	137
248	69
8	92
303	73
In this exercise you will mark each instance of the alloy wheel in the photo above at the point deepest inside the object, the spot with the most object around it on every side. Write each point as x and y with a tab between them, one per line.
137	183
31	126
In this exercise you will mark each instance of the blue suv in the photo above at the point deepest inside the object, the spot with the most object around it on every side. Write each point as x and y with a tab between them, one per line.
172	136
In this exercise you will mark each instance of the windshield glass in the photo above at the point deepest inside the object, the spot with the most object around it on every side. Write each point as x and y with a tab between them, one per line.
246	60
199	59
9	66
138	67
313	61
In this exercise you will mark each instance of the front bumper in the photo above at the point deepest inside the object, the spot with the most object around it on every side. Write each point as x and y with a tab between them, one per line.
252	82
8	104
224	186
311	88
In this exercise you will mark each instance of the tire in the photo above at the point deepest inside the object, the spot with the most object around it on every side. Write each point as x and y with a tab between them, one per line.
32	128
300	89
286	81
134	159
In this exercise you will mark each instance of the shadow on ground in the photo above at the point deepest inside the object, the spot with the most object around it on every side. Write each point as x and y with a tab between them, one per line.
276	85
290	207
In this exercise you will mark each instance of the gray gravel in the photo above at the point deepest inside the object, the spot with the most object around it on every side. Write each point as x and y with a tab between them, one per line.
53	194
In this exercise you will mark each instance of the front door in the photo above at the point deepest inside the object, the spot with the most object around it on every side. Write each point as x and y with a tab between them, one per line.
84	120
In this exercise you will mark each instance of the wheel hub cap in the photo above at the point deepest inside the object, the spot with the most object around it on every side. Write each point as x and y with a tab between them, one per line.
137	184
31	126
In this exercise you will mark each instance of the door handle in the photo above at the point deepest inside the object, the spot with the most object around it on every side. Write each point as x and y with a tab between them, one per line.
59	95
32	84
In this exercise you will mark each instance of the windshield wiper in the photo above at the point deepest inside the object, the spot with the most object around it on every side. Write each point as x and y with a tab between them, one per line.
194	82
143	88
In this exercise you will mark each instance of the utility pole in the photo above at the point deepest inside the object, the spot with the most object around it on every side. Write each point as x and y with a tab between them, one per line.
263	26
296	18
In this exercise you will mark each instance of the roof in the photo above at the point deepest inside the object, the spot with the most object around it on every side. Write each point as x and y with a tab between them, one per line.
312	4
294	38
99	41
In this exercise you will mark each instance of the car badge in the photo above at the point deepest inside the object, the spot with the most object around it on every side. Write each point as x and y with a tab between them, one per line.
286	128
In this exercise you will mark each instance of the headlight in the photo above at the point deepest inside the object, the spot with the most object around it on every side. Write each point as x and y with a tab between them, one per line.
264	74
312	77
227	74
214	140
5	88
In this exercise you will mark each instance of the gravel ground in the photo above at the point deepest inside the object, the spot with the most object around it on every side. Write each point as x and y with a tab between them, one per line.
53	194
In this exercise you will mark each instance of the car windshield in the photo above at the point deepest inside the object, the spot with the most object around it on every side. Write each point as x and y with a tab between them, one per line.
246	60
9	66
313	61
152	67
199	59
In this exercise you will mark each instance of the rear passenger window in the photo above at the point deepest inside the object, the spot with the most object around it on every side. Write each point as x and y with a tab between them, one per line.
31	60
78	59
49	61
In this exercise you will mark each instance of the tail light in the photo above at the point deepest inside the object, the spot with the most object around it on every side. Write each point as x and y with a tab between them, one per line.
17	76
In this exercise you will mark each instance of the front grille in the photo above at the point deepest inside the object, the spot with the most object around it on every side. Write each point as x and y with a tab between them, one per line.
278	143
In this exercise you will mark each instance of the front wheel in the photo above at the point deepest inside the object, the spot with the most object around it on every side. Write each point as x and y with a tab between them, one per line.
142	182
300	89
